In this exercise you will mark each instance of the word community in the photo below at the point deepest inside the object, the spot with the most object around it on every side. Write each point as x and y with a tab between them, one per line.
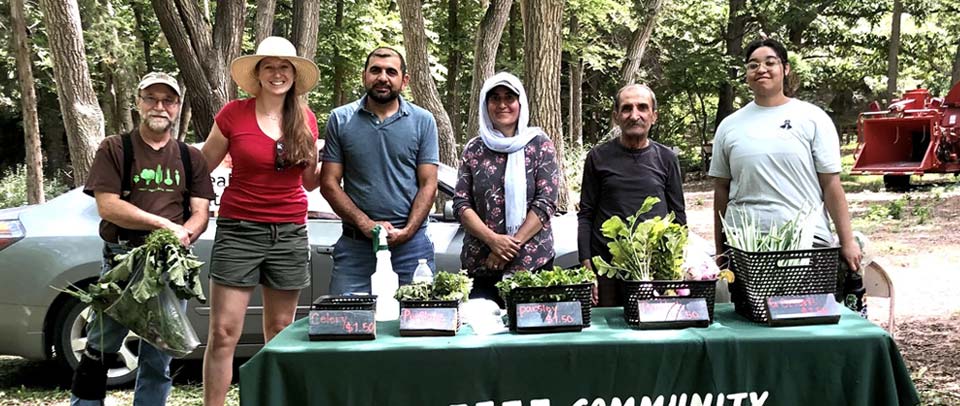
709	399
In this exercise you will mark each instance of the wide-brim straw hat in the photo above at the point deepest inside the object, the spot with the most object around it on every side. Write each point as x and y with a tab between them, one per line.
243	69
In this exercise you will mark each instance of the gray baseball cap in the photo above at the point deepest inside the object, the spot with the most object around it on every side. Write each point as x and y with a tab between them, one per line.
153	78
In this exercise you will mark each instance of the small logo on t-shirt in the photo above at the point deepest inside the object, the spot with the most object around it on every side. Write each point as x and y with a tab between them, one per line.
786	125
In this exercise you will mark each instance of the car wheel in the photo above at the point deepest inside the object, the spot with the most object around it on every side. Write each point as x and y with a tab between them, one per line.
71	338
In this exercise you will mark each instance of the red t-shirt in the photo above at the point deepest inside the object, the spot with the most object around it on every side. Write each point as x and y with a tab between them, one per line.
257	191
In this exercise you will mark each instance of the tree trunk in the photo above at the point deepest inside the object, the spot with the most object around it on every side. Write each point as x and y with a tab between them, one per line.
894	50
203	60
115	76
733	37
266	10
111	116
339	71
576	90
28	104
82	116
514	36
227	39
485	57
454	58
306	25
638	46
542	46
955	73
123	106
421	83
186	112
142	34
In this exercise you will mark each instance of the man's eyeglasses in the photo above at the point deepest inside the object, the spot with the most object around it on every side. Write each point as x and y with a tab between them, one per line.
768	63
151	101
278	162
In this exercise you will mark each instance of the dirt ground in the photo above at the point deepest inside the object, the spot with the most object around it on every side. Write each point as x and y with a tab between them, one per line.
920	251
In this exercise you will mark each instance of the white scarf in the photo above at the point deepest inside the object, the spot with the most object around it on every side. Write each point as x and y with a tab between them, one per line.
515	176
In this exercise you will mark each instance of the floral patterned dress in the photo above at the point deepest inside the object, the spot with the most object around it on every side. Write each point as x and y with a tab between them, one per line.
480	187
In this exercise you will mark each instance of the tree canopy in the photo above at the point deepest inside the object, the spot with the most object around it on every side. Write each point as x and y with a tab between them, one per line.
838	51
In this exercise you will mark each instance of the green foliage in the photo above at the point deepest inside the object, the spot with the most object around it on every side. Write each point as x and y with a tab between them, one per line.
134	292
895	207
365	26
556	277
878	212
445	286
838	57
13	187
643	250
748	234
922	213
573	159
164	261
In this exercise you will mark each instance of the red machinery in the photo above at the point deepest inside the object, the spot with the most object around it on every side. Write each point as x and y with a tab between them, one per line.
917	134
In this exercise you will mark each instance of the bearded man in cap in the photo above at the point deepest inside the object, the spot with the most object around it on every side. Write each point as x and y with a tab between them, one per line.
130	207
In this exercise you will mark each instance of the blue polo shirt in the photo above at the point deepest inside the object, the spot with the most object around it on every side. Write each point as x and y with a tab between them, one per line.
380	158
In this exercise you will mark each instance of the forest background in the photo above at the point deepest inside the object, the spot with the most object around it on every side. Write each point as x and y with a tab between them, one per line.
70	67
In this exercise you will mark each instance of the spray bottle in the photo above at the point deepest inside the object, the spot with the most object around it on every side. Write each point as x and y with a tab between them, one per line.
384	281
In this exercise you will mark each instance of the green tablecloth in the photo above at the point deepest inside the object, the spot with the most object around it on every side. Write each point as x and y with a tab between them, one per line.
853	363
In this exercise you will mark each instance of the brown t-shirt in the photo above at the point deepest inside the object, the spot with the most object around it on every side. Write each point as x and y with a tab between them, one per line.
157	178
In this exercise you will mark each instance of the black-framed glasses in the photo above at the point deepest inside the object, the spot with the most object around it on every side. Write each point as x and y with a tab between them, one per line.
278	157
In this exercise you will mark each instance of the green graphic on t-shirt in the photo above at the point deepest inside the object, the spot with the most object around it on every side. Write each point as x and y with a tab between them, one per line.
155	177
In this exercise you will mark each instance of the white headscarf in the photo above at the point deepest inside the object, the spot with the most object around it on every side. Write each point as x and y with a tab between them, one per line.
515	176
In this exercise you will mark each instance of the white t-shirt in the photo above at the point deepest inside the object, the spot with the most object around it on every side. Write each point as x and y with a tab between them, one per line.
772	156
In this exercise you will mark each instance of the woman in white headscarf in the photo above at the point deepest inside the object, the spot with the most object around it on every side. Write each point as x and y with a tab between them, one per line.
507	189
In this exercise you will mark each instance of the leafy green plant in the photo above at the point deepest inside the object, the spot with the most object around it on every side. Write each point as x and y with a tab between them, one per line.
13	187
749	234
895	207
922	213
135	292
555	277
643	250
445	286
877	212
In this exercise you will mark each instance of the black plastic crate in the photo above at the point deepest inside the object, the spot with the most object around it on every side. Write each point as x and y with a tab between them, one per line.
562	293
431	304
329	302
644	290
760	275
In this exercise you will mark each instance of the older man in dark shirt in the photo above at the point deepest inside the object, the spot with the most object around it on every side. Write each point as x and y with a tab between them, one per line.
620	174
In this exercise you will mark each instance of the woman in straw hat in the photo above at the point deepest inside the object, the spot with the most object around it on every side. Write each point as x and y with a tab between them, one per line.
261	232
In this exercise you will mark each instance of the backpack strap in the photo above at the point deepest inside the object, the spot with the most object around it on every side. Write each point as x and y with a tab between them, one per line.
126	186
187	176
125	182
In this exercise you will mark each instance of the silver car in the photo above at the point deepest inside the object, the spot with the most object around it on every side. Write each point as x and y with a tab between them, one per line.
56	244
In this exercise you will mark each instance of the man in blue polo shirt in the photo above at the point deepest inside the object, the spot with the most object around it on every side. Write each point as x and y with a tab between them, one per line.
385	152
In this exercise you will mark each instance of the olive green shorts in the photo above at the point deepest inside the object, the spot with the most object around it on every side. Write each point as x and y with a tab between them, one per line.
247	253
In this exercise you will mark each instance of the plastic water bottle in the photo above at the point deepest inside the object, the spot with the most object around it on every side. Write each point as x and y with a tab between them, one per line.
423	272
384	282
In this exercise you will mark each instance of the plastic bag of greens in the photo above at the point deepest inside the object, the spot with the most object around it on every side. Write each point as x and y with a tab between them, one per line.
159	320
